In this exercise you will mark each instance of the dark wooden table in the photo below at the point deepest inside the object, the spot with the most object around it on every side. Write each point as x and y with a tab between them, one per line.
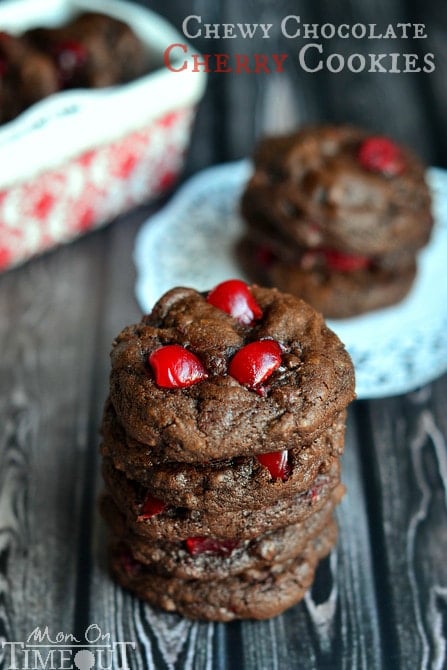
380	601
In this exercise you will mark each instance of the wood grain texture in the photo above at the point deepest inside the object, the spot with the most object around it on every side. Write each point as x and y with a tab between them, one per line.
209	133
47	345
432	89
408	436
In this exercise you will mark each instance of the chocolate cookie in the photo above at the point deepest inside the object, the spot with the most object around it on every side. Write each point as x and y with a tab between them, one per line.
279	379
205	558
179	523
336	217
92	51
256	594
233	484
338	188
26	76
340	295
335	293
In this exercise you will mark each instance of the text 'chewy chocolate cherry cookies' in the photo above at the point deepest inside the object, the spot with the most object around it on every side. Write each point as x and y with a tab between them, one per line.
221	442
336	216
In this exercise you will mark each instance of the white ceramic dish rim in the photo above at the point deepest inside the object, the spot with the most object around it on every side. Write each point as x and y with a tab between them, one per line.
71	122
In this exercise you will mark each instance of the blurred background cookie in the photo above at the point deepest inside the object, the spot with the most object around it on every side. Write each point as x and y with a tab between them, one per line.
336	216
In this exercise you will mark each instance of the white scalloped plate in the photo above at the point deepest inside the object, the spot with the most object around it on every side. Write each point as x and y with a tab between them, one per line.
191	243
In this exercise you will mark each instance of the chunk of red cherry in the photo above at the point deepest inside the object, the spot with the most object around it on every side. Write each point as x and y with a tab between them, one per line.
128	563
380	154
277	462
235	298
202	545
176	367
151	507
334	260
70	57
255	362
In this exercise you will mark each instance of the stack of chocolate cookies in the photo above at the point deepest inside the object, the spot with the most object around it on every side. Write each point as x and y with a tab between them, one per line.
221	444
336	216
92	50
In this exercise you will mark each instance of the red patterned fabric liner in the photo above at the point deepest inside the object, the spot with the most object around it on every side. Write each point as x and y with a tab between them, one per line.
61	204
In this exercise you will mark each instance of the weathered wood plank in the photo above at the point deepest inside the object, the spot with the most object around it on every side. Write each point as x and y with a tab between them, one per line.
432	89
257	104
385	102
208	137
410	478
47	333
239	108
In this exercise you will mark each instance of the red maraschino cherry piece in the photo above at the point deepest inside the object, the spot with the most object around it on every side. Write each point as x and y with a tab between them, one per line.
70	56
128	562
176	367
150	507
201	545
255	362
235	298
277	463
380	154
336	260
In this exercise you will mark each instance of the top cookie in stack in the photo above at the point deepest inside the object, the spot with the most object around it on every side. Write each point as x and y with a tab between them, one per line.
336	216
230	412
221	446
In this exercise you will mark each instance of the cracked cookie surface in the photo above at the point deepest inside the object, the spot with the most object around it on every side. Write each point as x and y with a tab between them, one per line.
219	417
